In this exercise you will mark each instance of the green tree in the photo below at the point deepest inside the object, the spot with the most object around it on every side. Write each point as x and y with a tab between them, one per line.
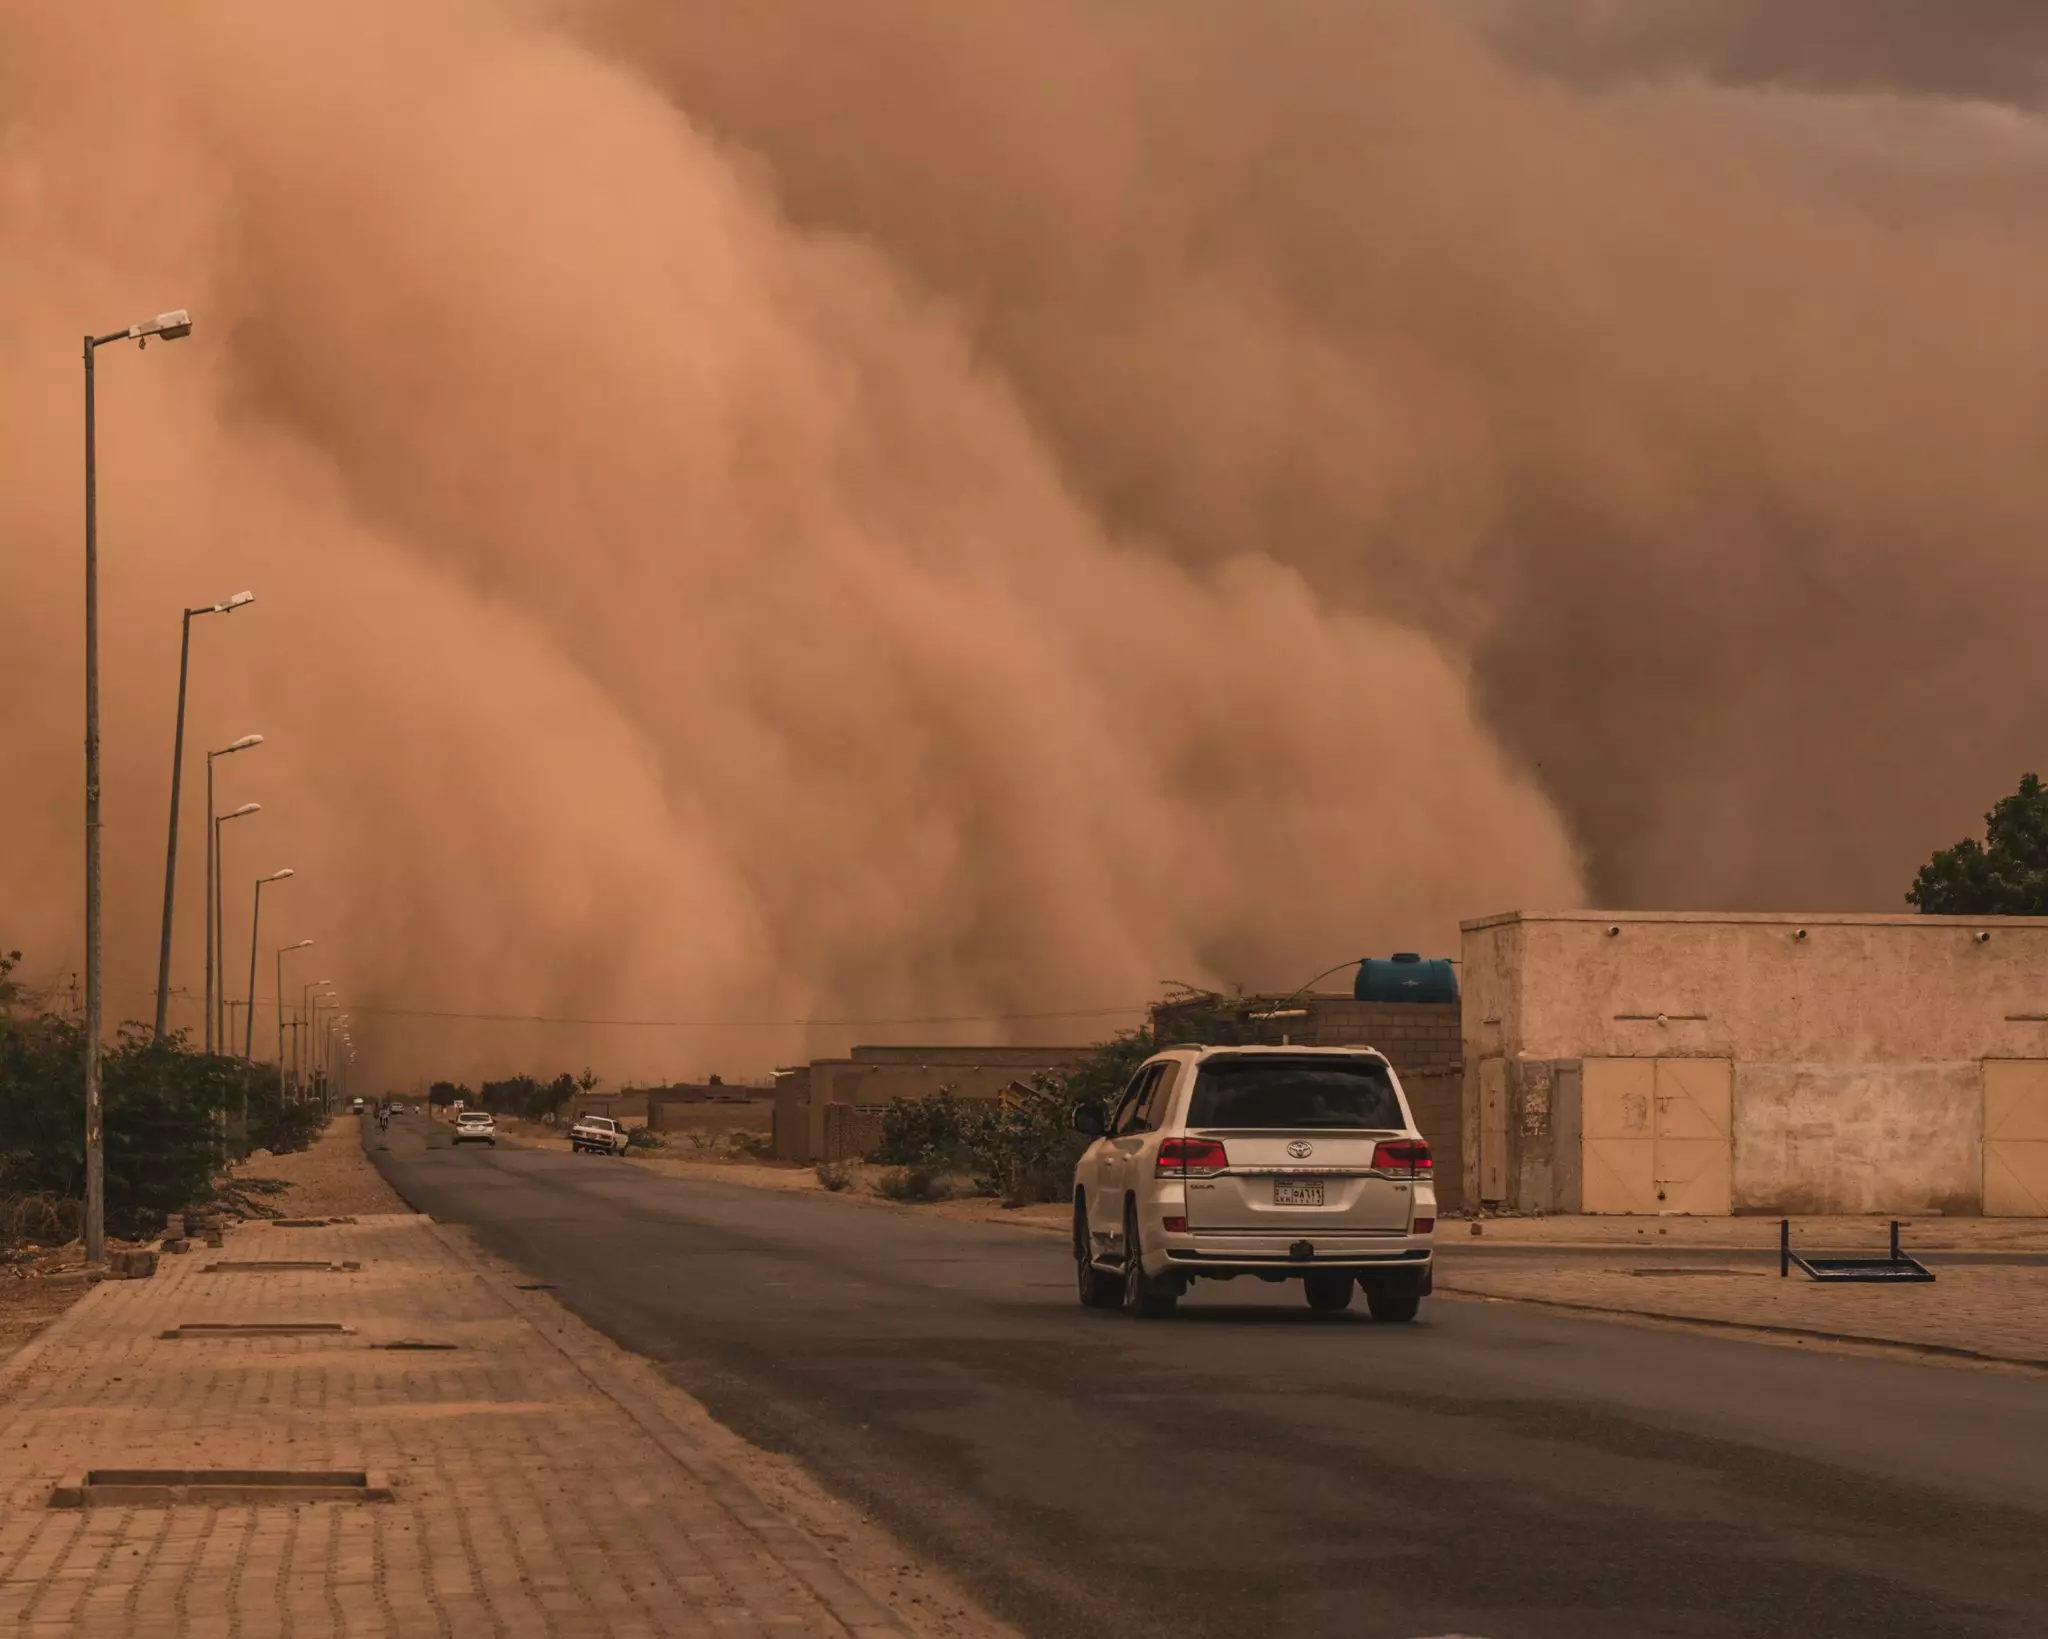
2004	875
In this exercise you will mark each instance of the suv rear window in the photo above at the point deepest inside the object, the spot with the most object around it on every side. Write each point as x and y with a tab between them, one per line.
1300	1092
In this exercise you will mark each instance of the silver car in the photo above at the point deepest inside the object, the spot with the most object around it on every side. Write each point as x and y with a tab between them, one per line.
476	1127
1269	1163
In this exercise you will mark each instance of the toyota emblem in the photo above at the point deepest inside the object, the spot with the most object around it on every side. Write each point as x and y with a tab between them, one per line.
1300	1148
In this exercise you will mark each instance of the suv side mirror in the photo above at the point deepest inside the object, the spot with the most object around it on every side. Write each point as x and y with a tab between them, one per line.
1088	1119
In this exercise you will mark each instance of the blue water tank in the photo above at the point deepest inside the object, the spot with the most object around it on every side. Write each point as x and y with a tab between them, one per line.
1405	977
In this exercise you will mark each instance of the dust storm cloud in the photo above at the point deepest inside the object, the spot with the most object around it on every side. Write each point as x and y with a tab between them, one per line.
1689	386
667	609
811	510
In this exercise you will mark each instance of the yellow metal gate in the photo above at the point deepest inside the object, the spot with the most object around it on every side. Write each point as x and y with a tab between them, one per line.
1654	1135
2015	1138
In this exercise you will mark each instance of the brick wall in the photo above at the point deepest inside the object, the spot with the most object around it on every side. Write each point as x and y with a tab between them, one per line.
849	1133
1421	1041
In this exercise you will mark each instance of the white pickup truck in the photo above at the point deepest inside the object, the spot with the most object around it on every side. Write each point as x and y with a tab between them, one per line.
599	1134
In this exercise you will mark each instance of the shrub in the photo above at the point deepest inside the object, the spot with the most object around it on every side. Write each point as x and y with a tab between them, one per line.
835	1175
644	1138
925	1132
1025	1147
165	1110
917	1183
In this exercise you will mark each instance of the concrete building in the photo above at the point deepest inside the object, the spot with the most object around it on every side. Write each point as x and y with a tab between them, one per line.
1419	1039
682	1105
1635	1063
831	1109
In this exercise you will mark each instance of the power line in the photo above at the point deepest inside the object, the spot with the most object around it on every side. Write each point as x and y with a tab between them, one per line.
740	1024
366	1008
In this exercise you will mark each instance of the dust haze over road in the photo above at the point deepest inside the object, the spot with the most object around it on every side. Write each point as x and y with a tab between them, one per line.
806	510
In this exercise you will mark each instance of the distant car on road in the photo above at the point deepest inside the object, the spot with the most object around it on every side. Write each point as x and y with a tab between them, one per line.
356	1107
1273	1163
599	1134
476	1127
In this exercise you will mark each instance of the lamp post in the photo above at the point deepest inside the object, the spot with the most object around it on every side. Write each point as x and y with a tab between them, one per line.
337	1027
169	326
312	1029
255	921
216	930
217	976
163	958
302	1062
282	952
315	1040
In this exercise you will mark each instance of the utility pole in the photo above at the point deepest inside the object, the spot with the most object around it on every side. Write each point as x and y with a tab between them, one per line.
163	959
170	326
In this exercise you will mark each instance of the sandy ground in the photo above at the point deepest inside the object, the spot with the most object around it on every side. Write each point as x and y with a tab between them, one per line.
332	1179
35	1288
680	1159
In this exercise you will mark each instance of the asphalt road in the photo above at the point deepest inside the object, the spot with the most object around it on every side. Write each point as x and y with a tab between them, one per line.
1252	1469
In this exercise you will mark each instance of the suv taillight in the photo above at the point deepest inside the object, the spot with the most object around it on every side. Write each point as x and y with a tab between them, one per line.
1402	1158
1191	1158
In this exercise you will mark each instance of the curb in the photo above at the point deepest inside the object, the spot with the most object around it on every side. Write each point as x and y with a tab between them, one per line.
1935	1351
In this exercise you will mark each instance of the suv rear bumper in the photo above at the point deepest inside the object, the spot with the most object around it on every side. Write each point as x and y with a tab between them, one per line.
1221	1254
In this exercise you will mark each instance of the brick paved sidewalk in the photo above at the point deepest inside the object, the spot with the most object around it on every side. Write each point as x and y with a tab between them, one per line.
546	1482
1996	1311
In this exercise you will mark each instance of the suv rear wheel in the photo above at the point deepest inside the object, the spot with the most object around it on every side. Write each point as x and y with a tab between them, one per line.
1144	1297
1393	1300
1328	1289
1097	1290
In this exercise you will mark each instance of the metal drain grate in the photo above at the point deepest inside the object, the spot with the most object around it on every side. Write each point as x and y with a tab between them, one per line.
257	1328
277	1266
307	1223
414	1343
159	1487
535	1286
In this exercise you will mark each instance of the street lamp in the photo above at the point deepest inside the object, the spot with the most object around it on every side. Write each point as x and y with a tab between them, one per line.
163	959
302	1061
217	976
216	929
170	326
316	1043
282	952
255	920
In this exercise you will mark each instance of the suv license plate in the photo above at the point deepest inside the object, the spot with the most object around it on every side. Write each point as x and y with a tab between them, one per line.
1298	1194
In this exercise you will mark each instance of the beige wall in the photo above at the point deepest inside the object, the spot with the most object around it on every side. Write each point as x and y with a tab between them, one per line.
875	1076
1857	1049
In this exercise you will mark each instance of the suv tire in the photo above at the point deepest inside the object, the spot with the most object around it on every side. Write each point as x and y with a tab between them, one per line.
1328	1289
1097	1289
1393	1301
1144	1297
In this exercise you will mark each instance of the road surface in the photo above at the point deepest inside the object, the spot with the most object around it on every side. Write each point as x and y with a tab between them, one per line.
1252	1469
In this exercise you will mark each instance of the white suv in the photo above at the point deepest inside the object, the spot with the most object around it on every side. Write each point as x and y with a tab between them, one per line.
1280	1163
